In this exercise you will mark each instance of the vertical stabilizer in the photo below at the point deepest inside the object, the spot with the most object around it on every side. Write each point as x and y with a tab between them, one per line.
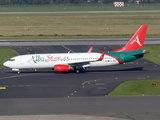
137	41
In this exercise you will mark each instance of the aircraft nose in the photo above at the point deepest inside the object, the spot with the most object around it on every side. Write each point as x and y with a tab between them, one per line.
5	64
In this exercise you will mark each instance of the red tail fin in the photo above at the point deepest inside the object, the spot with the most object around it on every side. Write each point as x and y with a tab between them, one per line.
137	41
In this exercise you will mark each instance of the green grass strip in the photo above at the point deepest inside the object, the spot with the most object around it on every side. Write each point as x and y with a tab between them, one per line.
76	8
78	36
5	54
53	26
137	88
154	56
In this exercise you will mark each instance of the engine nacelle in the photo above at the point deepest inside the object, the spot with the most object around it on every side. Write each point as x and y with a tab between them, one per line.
15	69
62	68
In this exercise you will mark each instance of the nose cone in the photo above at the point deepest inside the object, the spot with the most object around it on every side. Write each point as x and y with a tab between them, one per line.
6	64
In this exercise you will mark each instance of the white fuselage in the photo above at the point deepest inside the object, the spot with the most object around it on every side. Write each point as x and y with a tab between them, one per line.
50	60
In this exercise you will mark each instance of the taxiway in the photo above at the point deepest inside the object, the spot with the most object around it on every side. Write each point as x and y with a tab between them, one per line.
48	93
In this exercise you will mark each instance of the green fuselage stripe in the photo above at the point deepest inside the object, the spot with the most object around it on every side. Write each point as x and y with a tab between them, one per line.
127	56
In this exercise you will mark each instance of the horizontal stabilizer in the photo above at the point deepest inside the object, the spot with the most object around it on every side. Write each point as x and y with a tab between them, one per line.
140	53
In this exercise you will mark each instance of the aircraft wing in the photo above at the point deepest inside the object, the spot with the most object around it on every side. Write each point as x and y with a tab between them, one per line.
87	62
81	63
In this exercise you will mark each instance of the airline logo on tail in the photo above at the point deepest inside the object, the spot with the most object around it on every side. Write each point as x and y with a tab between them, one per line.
137	41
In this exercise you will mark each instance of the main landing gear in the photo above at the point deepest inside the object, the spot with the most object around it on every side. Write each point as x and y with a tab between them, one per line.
77	71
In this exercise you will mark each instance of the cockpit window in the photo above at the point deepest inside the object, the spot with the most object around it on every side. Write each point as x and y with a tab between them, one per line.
11	60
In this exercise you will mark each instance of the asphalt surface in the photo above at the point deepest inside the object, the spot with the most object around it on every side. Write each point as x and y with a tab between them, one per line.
91	82
132	108
44	92
48	42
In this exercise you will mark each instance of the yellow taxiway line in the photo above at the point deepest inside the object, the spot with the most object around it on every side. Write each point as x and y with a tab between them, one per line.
2	88
68	48
18	76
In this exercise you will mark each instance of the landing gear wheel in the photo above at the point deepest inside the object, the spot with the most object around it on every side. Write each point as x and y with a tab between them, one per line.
77	71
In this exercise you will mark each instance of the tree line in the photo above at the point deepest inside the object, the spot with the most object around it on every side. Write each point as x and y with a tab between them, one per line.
31	2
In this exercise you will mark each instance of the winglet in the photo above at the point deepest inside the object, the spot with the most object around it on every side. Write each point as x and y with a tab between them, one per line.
90	49
102	56
137	41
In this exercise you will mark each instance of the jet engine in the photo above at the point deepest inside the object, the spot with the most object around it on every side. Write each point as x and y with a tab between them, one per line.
62	68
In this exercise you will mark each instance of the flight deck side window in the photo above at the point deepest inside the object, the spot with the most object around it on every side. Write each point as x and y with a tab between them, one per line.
11	60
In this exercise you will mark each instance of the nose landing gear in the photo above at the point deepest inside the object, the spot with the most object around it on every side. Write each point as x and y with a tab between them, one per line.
18	71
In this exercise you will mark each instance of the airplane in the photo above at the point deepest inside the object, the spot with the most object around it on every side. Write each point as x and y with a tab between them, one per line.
66	62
